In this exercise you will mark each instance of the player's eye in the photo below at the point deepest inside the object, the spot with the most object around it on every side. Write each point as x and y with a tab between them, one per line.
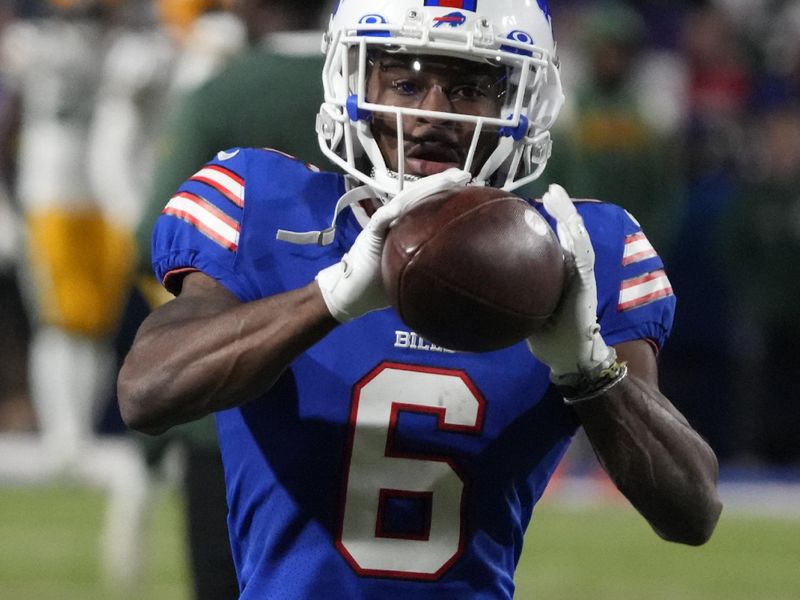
406	87
467	92
476	89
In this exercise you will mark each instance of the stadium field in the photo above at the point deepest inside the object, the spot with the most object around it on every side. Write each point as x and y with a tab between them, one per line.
612	554
49	551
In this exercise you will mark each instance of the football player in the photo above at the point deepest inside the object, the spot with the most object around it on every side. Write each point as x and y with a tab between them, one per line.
358	467
148	67
77	261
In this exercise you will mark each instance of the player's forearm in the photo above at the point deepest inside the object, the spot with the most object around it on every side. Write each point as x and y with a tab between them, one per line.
656	459
181	369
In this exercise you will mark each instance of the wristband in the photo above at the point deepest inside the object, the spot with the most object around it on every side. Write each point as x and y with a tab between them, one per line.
586	389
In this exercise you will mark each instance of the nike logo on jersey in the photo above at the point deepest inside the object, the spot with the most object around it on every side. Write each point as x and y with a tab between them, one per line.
223	155
413	341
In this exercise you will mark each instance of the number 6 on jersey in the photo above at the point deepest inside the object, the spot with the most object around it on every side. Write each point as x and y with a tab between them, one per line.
378	475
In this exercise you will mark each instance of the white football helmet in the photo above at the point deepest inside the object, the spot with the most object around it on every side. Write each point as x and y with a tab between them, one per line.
515	34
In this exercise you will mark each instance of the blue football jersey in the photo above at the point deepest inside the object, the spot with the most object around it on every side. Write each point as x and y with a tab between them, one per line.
380	465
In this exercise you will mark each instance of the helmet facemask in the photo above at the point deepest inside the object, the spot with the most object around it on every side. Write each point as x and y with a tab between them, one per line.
436	101
502	96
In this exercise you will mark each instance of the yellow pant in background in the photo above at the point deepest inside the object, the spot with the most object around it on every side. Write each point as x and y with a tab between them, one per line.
82	268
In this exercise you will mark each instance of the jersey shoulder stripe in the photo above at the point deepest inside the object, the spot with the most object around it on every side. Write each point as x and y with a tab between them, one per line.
206	218
644	289
635	297
224	180
637	248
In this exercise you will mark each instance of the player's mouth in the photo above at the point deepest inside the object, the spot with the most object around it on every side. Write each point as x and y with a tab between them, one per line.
432	156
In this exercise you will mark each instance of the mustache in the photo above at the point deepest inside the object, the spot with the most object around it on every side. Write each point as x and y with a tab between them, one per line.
432	136
439	149
437	143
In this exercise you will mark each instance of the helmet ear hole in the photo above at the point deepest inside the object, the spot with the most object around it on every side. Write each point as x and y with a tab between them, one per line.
355	113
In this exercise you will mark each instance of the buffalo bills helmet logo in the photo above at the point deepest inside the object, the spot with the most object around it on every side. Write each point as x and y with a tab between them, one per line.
373	19
454	19
519	36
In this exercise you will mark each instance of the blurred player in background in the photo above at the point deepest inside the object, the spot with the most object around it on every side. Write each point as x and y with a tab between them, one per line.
158	52
357	466
78	257
77	261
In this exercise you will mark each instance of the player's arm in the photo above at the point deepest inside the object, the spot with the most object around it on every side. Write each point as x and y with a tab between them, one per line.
658	461
661	465
206	351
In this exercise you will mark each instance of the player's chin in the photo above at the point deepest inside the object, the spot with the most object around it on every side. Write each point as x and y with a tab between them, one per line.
422	168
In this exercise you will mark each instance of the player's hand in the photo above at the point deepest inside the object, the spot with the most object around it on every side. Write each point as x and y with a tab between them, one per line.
570	342
353	286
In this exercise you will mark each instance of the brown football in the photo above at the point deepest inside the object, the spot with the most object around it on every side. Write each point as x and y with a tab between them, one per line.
476	269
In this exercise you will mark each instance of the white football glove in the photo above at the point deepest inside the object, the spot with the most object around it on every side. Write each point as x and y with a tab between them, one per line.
570	342
353	286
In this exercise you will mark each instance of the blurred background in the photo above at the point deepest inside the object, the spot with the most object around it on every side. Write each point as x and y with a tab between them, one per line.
687	113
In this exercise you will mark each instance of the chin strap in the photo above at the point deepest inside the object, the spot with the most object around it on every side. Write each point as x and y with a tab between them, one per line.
326	236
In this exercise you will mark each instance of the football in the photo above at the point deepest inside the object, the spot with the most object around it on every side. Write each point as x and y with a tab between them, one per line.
475	269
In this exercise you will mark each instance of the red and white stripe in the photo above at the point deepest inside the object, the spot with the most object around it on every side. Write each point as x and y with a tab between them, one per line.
224	181
644	289
206	217
637	248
